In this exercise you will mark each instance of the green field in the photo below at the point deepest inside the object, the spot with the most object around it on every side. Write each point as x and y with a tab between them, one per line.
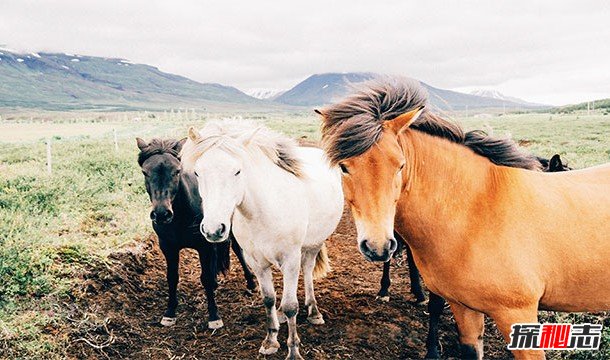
53	227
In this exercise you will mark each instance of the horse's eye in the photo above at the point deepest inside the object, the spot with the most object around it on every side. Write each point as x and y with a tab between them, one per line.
177	172
343	169
238	172
196	174
401	167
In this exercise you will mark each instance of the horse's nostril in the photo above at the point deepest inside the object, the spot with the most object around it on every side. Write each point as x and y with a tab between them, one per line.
364	246
393	245
223	228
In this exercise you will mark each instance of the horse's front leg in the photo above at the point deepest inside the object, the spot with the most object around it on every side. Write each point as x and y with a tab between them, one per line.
436	305
209	259
265	281
471	326
172	260
416	288
290	304
383	293
250	283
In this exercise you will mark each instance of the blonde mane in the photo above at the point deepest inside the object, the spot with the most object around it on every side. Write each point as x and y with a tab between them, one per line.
238	136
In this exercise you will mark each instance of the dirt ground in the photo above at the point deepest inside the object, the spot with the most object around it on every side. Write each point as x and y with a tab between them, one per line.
117	314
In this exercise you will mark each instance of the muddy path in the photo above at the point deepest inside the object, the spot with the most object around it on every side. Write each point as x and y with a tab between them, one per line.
117	313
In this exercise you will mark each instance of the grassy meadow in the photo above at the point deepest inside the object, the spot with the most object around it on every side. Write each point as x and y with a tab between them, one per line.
54	227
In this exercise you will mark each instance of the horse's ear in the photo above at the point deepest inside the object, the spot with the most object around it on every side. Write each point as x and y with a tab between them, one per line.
555	164
405	120
247	138
141	143
179	144
193	134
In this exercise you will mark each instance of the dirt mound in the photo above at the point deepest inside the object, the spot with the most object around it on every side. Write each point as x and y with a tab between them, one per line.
117	313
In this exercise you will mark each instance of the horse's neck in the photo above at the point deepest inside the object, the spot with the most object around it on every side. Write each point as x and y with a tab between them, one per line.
187	203
266	183
447	187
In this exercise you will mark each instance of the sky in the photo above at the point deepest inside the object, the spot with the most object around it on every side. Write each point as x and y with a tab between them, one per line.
551	52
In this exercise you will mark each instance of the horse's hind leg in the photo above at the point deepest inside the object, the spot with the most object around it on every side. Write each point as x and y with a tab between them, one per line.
308	263
435	308
290	305
383	293
172	259
265	280
416	288
208	260
471	326
250	283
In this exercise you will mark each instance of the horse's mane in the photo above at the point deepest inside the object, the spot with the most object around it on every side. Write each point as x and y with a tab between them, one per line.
228	134
355	124
159	146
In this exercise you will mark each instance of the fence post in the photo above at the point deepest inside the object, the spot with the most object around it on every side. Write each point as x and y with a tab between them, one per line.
49	159
116	143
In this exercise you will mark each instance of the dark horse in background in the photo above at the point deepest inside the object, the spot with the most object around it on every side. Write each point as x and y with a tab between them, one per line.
176	214
436	304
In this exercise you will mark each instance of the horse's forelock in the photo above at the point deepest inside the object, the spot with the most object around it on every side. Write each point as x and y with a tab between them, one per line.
158	146
228	134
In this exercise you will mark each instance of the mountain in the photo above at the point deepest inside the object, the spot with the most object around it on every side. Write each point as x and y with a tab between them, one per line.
495	94
64	81
321	89
265	94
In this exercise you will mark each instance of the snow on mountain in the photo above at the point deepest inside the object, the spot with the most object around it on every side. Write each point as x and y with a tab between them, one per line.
495	94
265	94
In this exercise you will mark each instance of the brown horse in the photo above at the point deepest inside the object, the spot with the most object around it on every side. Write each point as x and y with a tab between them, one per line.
484	236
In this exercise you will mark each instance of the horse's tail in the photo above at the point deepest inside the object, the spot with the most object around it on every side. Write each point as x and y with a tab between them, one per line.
322	266
223	257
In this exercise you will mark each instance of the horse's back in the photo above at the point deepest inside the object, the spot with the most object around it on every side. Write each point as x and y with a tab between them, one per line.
592	175
324	194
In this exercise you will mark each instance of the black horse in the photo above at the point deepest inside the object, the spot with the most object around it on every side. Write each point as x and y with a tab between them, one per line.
176	215
436	304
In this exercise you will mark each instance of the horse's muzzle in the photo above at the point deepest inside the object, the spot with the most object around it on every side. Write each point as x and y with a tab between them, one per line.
373	255
217	235
162	216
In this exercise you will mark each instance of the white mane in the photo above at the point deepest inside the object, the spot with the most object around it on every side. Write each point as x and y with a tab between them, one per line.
238	136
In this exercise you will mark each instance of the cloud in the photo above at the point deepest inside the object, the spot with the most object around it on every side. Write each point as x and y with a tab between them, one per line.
554	52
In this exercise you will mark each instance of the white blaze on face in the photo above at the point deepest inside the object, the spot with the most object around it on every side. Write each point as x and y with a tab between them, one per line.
221	188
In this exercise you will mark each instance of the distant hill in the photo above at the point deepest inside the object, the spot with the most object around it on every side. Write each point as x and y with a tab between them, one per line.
601	104
320	89
495	94
65	81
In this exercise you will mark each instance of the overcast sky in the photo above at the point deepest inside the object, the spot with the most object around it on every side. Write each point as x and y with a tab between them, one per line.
556	53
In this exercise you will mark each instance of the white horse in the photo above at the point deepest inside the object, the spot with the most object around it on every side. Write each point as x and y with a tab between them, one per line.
281	201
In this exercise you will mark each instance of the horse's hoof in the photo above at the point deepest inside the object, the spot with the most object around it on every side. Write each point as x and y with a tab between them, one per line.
168	321
384	298
269	347
281	317
251	291
215	324
420	303
316	320
294	357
